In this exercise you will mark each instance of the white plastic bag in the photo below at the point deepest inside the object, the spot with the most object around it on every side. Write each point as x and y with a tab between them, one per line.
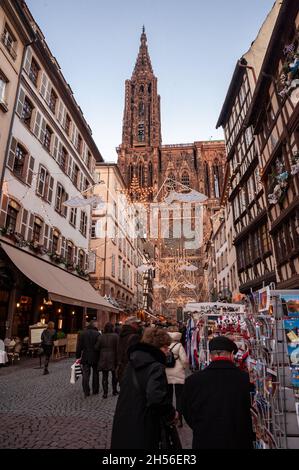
73	377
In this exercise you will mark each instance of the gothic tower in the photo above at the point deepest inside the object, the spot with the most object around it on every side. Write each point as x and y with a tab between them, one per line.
138	155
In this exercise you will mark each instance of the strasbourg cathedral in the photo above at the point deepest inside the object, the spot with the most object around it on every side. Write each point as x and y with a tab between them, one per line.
144	161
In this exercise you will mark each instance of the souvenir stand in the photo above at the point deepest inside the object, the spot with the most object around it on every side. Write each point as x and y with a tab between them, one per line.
207	320
272	321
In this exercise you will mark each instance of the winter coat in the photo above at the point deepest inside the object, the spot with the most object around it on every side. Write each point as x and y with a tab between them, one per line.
86	346
48	337
143	400
127	338
107	345
176	374
216	405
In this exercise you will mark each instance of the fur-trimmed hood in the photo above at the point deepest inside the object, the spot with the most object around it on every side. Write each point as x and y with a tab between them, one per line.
143	354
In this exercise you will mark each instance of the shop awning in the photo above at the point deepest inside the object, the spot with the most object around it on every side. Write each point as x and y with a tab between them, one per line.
62	286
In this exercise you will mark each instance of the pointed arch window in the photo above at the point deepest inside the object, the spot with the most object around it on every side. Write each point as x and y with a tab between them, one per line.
141	132
185	179
216	178
141	174
141	89
150	174
149	88
130	174
207	180
141	110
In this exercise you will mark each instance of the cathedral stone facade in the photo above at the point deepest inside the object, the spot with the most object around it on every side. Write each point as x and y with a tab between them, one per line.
198	165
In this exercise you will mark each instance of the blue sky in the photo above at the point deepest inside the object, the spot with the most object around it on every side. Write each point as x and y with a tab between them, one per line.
193	44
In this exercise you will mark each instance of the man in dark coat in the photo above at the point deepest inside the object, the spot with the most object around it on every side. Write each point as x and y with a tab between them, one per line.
129	335
107	345
216	401
89	357
143	399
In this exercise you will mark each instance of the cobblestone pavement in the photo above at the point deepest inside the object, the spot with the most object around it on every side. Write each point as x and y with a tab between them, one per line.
47	412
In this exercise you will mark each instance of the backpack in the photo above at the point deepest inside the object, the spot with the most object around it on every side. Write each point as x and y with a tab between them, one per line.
170	358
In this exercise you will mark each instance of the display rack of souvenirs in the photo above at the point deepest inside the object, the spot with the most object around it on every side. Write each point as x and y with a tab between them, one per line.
273	365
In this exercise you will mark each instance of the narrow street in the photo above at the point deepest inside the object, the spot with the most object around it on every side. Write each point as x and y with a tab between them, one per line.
47	412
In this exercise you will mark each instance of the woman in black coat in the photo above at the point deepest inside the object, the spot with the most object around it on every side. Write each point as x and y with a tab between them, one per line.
143	401
107	346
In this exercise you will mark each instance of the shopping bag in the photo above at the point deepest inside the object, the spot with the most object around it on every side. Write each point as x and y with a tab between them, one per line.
76	372
73	376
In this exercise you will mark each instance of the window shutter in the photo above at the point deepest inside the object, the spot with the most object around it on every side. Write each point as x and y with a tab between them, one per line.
70	167
55	148
81	184
3	212
62	252
60	111
37	124
48	92
91	262
24	223
46	236
11	155
30	170
30	227
73	132
59	156
28	59
75	251
20	104
50	189
44	84
64	117
50	240
64	208
43	131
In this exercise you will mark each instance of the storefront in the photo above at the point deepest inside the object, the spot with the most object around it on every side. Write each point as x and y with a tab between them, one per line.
266	331
38	291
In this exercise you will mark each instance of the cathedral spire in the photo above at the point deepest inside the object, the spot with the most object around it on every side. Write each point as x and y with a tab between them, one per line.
143	62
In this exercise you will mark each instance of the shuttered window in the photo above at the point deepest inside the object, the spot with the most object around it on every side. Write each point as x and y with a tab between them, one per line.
83	223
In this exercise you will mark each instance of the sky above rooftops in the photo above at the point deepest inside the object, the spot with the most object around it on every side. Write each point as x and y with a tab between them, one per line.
193	44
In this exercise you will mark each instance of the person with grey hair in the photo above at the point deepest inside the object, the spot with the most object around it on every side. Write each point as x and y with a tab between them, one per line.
89	357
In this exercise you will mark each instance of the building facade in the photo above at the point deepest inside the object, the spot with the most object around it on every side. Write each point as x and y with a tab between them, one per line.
115	249
50	159
15	35
274	116
163	168
245	193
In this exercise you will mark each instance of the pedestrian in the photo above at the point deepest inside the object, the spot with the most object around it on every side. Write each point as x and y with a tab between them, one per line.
176	375
89	357
107	345
117	328
216	401
143	401
48	337
129	335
